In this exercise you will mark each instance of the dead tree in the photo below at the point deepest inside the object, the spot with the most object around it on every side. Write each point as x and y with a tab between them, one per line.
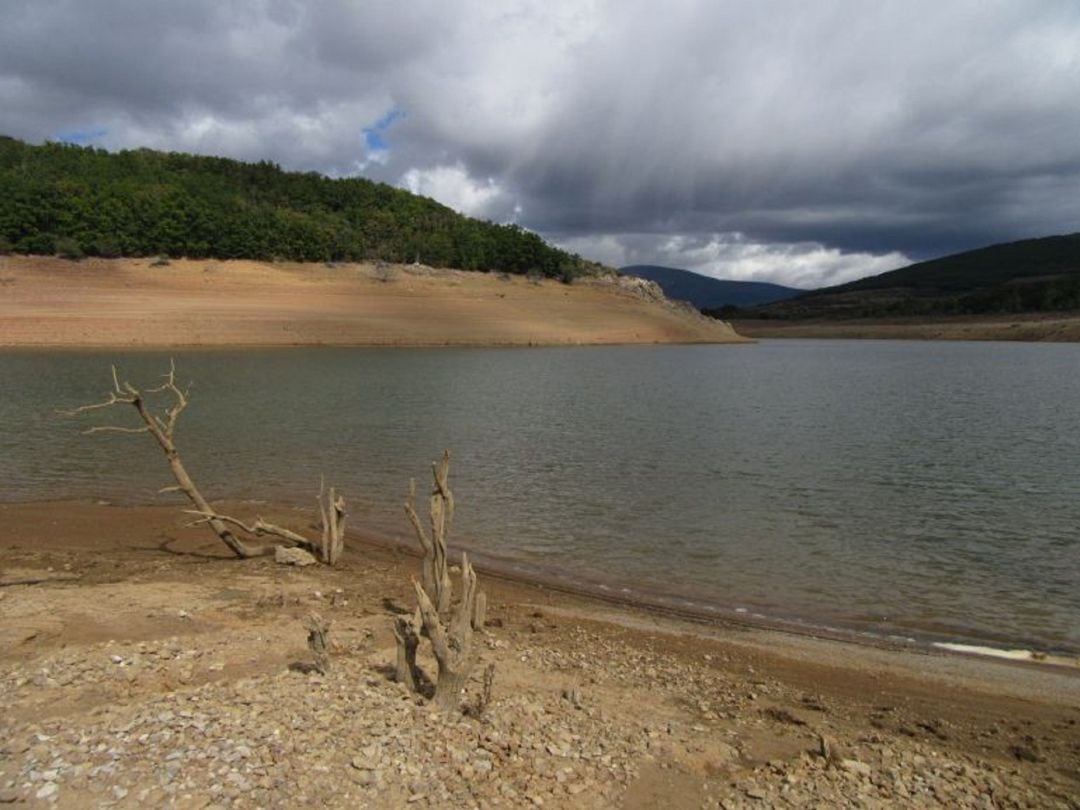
449	629
451	641
163	429
332	514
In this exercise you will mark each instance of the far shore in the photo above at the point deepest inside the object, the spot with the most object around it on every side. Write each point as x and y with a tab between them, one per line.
132	303
118	618
1033	327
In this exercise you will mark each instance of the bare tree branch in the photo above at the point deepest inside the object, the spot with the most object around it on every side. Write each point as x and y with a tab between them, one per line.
259	528
163	429
114	429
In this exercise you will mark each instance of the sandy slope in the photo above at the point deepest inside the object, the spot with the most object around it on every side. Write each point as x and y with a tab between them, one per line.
129	302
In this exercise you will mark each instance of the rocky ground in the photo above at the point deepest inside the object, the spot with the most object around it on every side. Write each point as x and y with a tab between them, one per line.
141	668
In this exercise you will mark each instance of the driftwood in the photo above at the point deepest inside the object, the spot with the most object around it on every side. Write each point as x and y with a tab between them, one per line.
163	430
449	629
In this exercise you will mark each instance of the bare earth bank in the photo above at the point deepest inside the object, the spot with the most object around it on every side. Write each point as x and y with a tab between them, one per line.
130	302
145	668
1049	327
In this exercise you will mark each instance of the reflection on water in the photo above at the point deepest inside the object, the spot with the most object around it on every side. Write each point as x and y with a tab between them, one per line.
915	488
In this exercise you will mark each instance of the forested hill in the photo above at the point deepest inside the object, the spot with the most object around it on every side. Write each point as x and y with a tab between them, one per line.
75	201
1031	275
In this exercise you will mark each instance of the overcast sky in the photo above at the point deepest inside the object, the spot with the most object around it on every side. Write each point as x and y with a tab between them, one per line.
799	142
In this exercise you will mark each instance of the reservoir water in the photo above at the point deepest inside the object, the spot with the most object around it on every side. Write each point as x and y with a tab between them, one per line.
918	489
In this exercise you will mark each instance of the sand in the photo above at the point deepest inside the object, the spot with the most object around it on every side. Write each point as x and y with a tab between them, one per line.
145	667
130	302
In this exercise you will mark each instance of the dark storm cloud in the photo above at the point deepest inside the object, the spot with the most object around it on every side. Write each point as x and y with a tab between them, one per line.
808	143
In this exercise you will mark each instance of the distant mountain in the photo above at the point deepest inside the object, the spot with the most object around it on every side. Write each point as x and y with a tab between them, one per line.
1032	275
709	293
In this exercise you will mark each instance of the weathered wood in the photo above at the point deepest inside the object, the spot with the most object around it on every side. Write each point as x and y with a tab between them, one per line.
451	643
434	575
163	429
318	628
332	514
259	528
408	640
449	631
487	690
480	614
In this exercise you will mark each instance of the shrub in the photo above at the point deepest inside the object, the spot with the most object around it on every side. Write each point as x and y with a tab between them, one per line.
107	247
68	248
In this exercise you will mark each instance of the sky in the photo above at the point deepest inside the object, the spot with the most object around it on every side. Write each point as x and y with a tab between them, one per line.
803	143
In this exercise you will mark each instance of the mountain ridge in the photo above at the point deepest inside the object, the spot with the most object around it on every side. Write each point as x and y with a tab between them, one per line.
706	292
1024	276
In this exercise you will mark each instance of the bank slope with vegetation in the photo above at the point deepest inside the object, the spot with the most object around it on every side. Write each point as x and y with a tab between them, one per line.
1029	276
81	201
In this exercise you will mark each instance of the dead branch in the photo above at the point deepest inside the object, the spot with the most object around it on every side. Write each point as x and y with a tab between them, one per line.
260	528
433	569
163	428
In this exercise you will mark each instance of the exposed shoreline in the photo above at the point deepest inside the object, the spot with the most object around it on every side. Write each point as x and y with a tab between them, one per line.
1033	328
739	709
659	599
133	303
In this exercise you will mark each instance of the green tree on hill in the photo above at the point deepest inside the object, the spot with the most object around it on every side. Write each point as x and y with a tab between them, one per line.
146	203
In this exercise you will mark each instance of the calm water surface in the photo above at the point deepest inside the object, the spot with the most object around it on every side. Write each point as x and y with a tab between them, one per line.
923	489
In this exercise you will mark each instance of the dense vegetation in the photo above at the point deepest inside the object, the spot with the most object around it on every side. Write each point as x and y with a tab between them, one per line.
77	201
1032	275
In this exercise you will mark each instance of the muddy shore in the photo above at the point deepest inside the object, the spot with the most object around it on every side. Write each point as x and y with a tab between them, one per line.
141	666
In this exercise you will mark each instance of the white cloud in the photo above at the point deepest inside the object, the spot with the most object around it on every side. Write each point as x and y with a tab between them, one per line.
804	126
453	187
806	265
733	256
